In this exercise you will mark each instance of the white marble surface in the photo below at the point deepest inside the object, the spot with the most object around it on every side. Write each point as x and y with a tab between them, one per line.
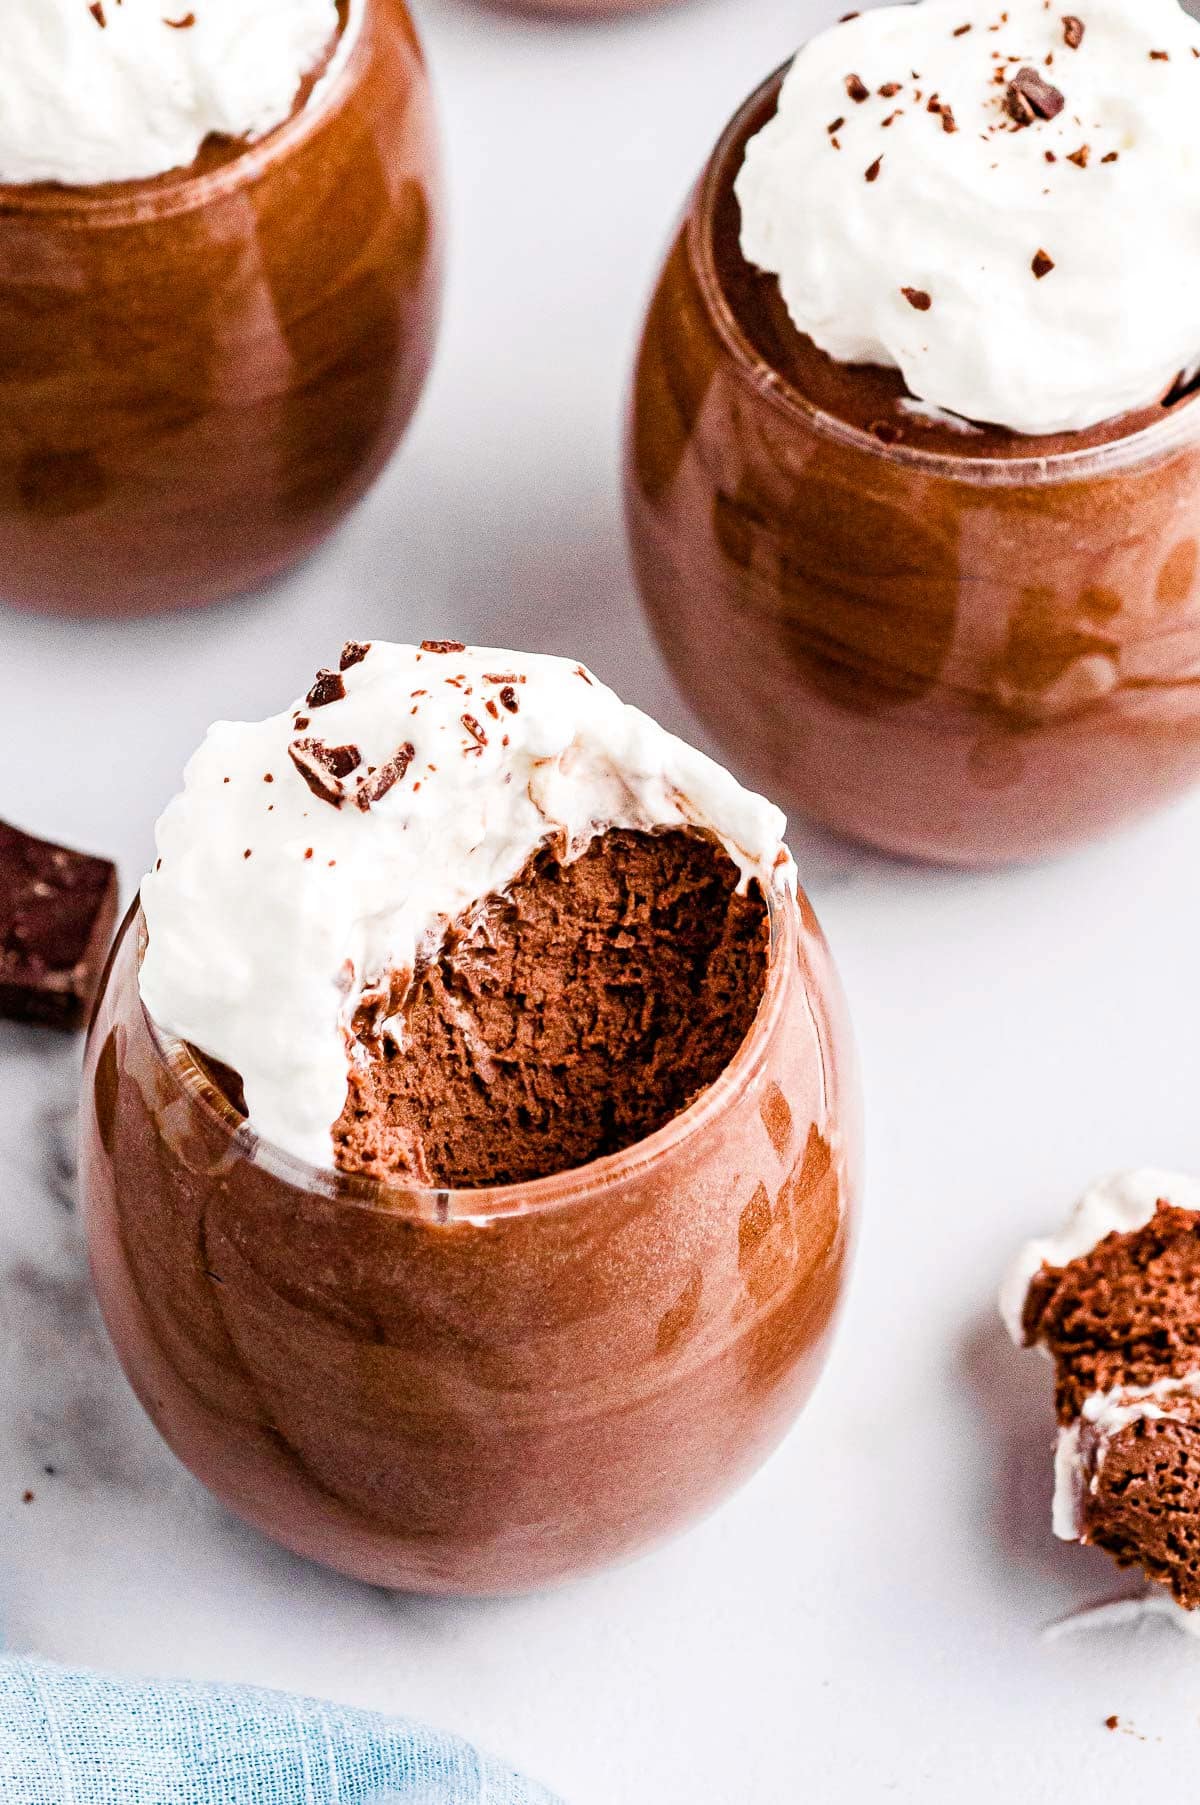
865	1620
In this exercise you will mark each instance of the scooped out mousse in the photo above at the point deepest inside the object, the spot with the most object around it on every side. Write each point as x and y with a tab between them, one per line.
460	917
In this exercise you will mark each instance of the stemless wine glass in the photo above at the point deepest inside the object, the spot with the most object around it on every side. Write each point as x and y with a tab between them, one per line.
477	1391
202	373
972	659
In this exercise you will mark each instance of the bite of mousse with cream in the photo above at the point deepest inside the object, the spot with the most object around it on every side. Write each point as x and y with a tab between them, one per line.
994	197
127	90
460	917
1114	1300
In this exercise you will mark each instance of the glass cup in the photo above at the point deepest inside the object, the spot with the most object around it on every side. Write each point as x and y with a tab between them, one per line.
200	374
953	657
477	1391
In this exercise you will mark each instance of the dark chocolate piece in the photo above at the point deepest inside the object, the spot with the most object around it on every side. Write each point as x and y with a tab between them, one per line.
442	645
323	767
353	652
378	783
1028	97
58	910
328	688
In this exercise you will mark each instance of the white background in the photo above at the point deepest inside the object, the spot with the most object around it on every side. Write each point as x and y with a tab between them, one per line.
865	1620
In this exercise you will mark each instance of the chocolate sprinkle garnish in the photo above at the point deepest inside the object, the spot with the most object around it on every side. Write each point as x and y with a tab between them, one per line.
857	88
949	123
184	24
97	12
1112	157
476	732
442	645
889	88
327	688
1072	31
1028	97
504	677
835	125
322	767
353	652
508	698
1160	56
1081	157
960	31
1042	264
872	174
918	298
386	778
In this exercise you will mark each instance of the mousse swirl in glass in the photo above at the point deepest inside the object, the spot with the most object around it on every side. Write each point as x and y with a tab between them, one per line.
941	547
219	285
566	1264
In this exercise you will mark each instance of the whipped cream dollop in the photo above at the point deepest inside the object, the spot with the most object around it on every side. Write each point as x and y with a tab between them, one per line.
123	90
996	197
313	856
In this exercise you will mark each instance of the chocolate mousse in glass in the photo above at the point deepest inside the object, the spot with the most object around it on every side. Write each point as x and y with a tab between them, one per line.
964	627
471	1131
219	284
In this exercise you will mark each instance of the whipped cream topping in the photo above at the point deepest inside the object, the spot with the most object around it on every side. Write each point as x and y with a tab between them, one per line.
1119	1204
996	197
123	90
313	856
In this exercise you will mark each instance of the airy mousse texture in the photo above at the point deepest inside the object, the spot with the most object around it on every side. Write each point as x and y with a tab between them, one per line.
1121	1322
567	1019
460	916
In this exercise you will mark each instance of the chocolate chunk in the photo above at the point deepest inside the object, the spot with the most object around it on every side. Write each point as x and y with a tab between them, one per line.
918	298
442	645
377	785
353	652
1072	31
58	910
322	767
1042	264
1028	97
508	697
857	88
327	688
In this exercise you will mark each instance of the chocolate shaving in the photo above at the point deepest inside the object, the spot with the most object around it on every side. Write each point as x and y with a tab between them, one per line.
949	122
872	174
835	125
1028	97
353	652
442	645
476	732
857	88
888	89
322	767
918	298
503	677
1042	264
508	697
1073	29
1081	157
327	688
960	31
1112	157
373	788
184	24
1160	56
97	12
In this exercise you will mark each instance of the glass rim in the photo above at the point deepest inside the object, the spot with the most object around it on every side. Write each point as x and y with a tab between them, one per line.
177	191
489	1203
1146	445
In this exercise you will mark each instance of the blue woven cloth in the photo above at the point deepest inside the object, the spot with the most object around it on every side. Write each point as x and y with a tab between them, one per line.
75	1738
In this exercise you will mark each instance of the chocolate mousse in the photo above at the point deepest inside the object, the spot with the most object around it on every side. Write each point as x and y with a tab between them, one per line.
526	927
489	1079
1115	1303
470	1139
914	454
219	232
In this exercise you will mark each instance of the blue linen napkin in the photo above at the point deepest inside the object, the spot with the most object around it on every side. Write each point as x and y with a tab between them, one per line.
71	1737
